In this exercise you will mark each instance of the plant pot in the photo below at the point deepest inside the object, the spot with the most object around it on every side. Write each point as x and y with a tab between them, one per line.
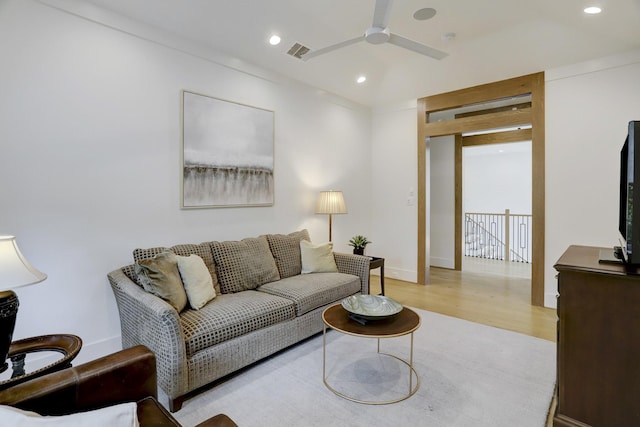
358	251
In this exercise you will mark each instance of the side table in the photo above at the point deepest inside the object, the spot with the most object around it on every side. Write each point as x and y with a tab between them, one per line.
25	363
377	262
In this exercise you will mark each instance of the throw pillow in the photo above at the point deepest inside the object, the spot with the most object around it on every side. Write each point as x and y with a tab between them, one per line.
196	280
317	258
122	415
286	252
160	276
245	264
203	250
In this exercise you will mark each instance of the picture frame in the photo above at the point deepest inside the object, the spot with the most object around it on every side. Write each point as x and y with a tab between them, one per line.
227	153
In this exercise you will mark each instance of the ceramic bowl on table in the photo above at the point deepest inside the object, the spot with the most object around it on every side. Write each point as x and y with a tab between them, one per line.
371	307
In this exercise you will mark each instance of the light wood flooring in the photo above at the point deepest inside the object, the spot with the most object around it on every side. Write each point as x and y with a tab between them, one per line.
490	299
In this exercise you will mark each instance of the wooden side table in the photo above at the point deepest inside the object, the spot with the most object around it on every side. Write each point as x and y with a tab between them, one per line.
377	262
24	357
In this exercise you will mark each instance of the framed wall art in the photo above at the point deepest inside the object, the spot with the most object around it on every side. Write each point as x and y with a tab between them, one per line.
227	153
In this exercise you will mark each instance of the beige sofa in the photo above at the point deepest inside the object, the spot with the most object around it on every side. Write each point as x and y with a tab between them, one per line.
263	304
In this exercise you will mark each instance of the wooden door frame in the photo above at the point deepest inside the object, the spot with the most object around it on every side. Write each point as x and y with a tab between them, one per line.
532	84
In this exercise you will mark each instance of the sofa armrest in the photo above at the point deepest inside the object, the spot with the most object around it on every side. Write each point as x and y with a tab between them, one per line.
358	265
126	376
148	320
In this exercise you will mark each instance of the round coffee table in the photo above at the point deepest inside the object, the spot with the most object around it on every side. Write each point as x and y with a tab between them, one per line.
404	323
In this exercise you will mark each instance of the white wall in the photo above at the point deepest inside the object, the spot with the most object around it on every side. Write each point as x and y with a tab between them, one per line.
90	148
497	177
587	106
393	188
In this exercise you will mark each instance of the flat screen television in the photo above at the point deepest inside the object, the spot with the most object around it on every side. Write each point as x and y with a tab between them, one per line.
629	214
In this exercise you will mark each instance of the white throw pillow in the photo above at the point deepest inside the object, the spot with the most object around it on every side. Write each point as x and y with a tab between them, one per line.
317	258
196	280
122	415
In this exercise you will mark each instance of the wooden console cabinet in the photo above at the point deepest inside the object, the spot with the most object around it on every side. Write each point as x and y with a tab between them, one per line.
598	341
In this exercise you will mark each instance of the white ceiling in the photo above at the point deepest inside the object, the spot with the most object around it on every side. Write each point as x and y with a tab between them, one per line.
495	39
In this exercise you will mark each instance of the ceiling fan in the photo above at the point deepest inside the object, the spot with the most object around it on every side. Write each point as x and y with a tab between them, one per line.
379	33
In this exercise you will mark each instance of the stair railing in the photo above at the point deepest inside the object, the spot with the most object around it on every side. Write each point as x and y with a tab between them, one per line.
492	235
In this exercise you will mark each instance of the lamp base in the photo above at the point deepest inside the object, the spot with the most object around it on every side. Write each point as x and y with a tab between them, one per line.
8	312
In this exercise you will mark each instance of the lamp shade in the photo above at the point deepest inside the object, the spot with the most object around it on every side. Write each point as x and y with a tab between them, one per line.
331	202
15	270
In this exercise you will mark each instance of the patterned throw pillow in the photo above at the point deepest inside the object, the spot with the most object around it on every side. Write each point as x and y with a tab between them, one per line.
160	276
286	252
245	264
317	258
203	250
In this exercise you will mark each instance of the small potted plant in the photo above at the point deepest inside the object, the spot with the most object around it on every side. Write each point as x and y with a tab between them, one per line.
359	243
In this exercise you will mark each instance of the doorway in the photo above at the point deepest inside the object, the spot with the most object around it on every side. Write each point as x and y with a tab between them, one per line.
496	209
428	127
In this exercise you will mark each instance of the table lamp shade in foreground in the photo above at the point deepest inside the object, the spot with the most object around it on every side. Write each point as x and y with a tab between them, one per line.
15	271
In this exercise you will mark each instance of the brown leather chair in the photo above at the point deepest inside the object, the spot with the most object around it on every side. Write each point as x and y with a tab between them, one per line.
126	376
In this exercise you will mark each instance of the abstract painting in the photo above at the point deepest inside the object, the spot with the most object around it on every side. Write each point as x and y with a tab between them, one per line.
227	157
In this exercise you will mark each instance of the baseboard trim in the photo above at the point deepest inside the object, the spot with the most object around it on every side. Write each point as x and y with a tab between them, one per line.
396	273
96	349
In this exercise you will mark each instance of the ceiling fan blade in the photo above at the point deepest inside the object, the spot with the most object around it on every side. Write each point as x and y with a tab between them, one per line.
416	47
381	13
314	53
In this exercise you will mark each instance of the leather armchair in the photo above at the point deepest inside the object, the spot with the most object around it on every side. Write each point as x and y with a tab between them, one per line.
126	376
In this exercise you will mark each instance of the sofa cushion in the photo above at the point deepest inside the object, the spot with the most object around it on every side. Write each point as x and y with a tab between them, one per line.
196	280
310	291
286	252
160	276
203	250
232	315
243	265
317	258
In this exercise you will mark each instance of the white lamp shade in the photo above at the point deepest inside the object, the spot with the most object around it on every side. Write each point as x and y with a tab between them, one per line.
331	202
15	270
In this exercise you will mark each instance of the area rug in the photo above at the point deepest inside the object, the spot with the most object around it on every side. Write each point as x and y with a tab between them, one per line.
470	375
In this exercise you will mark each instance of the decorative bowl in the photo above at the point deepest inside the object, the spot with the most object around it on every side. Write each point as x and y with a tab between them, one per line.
371	306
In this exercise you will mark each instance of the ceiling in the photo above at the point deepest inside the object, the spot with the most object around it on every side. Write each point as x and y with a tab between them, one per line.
494	39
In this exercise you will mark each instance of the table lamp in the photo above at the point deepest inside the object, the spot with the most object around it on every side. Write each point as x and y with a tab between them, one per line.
15	271
331	203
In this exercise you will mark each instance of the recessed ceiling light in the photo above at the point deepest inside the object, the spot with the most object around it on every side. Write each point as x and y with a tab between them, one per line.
275	40
593	10
424	14
361	79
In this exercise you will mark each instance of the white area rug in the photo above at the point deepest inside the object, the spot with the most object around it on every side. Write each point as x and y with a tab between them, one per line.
470	375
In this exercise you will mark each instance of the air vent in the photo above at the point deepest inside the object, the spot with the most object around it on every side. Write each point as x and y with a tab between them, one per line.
297	50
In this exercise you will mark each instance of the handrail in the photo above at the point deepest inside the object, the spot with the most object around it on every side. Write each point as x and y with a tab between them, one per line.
490	236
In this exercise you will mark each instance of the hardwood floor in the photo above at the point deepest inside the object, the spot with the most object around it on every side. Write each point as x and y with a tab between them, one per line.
493	300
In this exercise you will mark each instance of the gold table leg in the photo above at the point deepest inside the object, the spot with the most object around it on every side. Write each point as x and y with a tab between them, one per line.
412	372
